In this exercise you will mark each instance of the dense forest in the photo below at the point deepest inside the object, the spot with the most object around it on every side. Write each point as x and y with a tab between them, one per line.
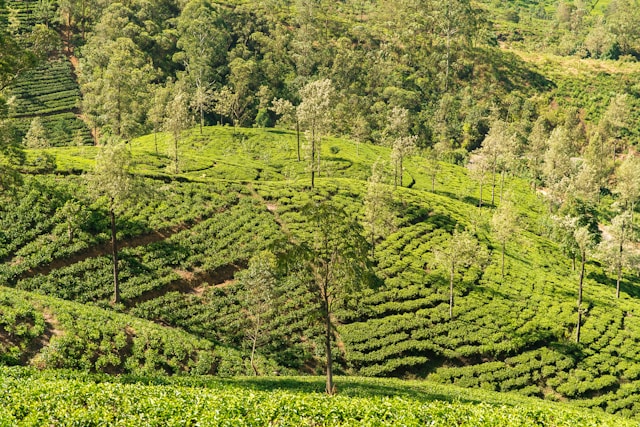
443	191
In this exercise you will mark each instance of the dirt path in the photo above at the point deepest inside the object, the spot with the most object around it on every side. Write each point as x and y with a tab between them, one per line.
103	249
193	282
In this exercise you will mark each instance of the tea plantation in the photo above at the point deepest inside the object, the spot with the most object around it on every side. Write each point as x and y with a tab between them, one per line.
185	239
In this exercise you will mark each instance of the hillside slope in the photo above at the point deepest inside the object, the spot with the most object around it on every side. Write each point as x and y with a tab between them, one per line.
241	191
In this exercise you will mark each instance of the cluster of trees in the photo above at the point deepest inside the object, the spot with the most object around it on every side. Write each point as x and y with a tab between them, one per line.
573	164
606	36
230	63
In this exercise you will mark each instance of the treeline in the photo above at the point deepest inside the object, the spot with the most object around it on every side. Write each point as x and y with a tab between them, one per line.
586	28
227	63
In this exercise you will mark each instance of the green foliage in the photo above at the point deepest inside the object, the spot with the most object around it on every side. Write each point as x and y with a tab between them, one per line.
65	398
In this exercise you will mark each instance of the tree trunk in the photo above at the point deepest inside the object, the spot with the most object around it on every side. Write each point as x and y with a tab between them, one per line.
451	294
619	262
583	255
201	118
114	254
253	347
298	137
313	156
330	387
395	175
480	201
493	186
175	153
501	185
503	247
618	280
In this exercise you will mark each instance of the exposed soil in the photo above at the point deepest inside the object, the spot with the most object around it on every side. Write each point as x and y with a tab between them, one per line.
193	282
103	249
52	329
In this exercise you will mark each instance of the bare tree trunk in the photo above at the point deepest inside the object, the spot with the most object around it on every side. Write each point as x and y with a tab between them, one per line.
451	294
493	186
201	118
330	386
253	347
619	262
480	201
175	153
298	137
582	262
503	247
114	254
313	156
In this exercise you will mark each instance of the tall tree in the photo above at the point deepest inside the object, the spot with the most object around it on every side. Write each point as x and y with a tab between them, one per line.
398	137
559	169
177	119
113	181
314	113
431	166
116	91
479	166
36	136
535	150
203	42
259	281
504	223
335	255
585	242
286	112
627	186
496	148
614	120
378	218
455	254
615	251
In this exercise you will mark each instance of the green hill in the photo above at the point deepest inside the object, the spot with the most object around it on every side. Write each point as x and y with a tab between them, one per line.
473	152
241	191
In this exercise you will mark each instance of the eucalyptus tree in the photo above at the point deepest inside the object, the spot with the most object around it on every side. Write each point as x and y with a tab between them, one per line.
315	114
616	251
287	115
177	119
585	241
378	217
535	150
112	181
627	186
333	252
398	137
259	281
202	42
497	147
457	253
431	166
115	78
614	120
504	224
479	166
559	169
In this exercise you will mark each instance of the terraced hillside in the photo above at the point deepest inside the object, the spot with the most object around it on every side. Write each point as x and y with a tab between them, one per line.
187	237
